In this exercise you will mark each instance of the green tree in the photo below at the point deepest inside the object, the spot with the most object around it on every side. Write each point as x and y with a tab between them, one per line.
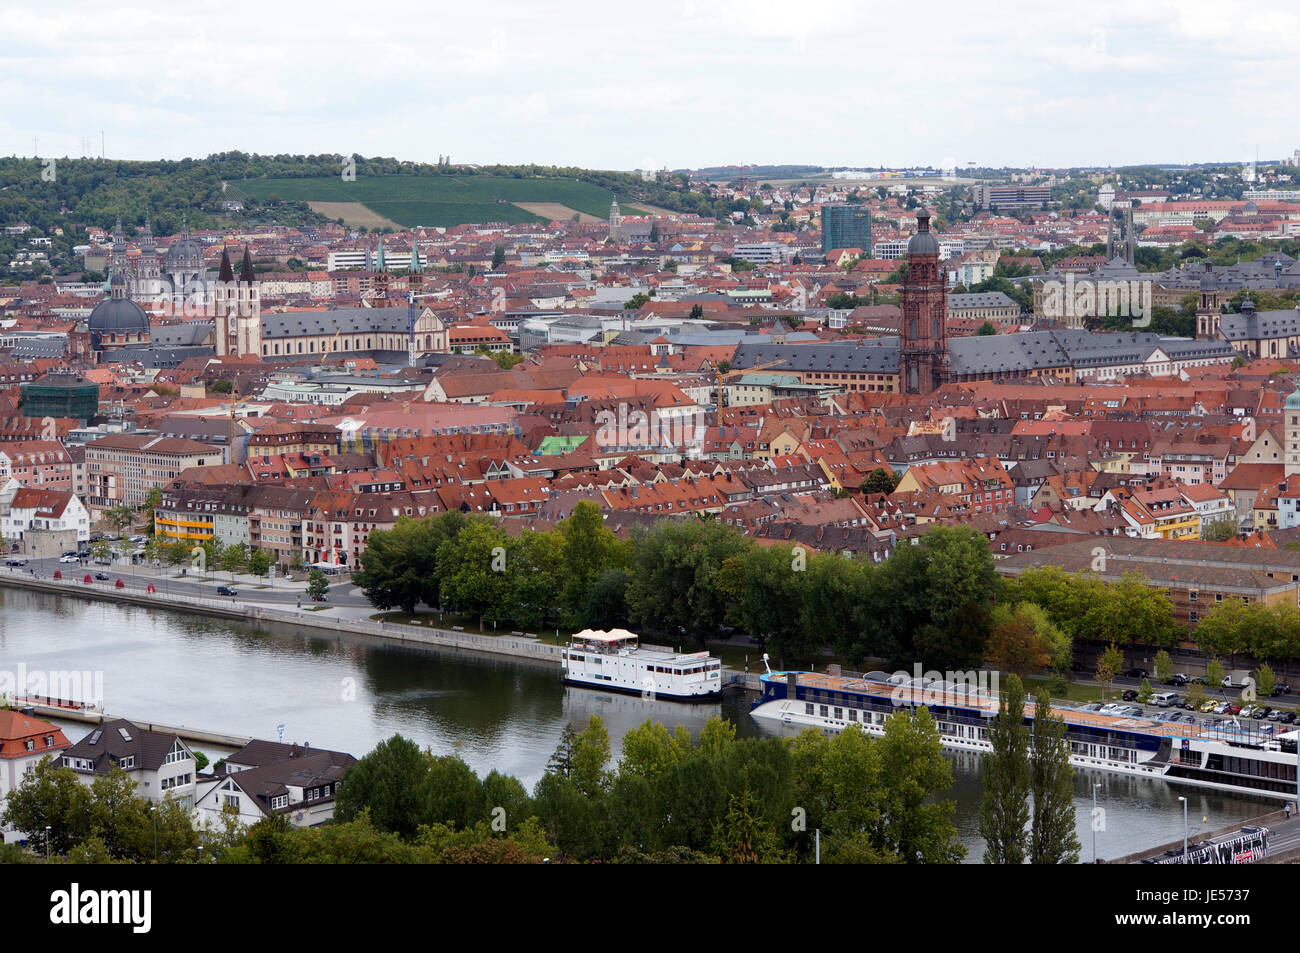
53	797
879	480
675	582
987	329
745	835
1109	665
498	257
1144	691
1214	673
1265	680
1052	839
259	563
590	756
392	782
317	585
1004	814
233	559
473	569
1164	666
919	828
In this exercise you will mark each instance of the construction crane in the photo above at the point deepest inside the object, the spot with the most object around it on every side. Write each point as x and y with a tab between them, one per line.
720	377
332	346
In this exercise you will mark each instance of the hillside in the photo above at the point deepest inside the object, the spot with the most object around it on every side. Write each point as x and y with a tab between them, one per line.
443	199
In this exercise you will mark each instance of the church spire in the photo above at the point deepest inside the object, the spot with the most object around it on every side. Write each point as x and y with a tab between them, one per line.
246	268
226	273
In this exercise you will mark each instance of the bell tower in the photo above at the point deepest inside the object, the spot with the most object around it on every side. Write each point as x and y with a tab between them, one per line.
923	341
1209	314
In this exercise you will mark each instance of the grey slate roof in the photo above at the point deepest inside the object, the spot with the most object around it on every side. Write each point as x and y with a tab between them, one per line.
349	320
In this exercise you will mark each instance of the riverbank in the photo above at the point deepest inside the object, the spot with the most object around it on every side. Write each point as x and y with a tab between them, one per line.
392	632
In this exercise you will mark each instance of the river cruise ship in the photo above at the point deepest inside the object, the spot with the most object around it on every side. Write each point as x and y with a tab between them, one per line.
616	662
1227	754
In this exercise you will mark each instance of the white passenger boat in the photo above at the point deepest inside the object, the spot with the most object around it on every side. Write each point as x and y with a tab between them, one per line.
1228	755
616	662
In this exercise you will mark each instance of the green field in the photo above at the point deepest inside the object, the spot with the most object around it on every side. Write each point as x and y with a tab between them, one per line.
441	200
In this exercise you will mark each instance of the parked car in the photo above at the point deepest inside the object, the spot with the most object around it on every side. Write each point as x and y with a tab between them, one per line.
1234	709
1111	709
1259	713
68	559
1137	673
1131	710
1282	688
15	562
1221	708
1274	715
1178	678
227	591
1129	695
1288	718
1094	706
101	576
1208	706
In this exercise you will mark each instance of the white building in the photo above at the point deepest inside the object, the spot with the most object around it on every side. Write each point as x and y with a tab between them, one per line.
159	762
45	510
25	741
265	778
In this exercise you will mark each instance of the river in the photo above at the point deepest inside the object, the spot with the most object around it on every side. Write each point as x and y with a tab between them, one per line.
347	693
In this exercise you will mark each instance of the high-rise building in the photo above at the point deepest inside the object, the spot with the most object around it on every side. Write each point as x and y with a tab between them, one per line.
846	226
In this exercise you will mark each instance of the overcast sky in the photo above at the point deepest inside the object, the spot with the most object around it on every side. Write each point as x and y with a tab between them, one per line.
679	83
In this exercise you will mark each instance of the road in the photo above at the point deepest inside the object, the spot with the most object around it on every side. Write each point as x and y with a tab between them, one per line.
342	595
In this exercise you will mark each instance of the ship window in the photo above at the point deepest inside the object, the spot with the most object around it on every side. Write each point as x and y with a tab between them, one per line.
853	714
822	710
808	708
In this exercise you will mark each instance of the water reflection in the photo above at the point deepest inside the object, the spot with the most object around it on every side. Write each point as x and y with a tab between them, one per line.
495	712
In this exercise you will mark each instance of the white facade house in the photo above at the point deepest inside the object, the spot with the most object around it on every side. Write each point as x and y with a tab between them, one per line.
25	741
265	778
45	510
159	762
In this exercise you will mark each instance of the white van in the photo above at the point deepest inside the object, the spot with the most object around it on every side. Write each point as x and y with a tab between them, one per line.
1164	699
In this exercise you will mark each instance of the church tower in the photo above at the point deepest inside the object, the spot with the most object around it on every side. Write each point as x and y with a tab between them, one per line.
615	220
1209	314
1291	432
224	307
381	271
149	274
248	318
923	342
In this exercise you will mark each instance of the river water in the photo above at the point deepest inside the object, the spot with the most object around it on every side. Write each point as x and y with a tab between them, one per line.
347	693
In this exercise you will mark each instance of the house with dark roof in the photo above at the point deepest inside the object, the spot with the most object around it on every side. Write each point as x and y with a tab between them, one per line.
265	778
159	762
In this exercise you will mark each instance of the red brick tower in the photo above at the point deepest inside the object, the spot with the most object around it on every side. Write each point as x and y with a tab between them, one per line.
923	342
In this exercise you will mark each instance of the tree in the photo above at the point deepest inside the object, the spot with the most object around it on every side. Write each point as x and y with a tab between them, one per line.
635	302
51	796
498	257
919	828
120	517
259	563
1164	666
391	782
1053	839
317	585
1004	813
1214	673
233	559
590	755
987	329
1220	530
152	500
1265	679
1109	665
880	480
1144	691
473	569
745	836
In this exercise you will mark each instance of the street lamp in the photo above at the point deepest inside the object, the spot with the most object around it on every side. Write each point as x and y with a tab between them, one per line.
1094	821
47	843
1184	800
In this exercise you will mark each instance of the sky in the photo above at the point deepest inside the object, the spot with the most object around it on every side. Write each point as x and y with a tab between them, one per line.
676	84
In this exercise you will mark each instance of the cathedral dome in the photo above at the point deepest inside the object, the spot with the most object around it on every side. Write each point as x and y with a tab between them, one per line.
183	254
1293	402
923	242
118	316
1208	280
